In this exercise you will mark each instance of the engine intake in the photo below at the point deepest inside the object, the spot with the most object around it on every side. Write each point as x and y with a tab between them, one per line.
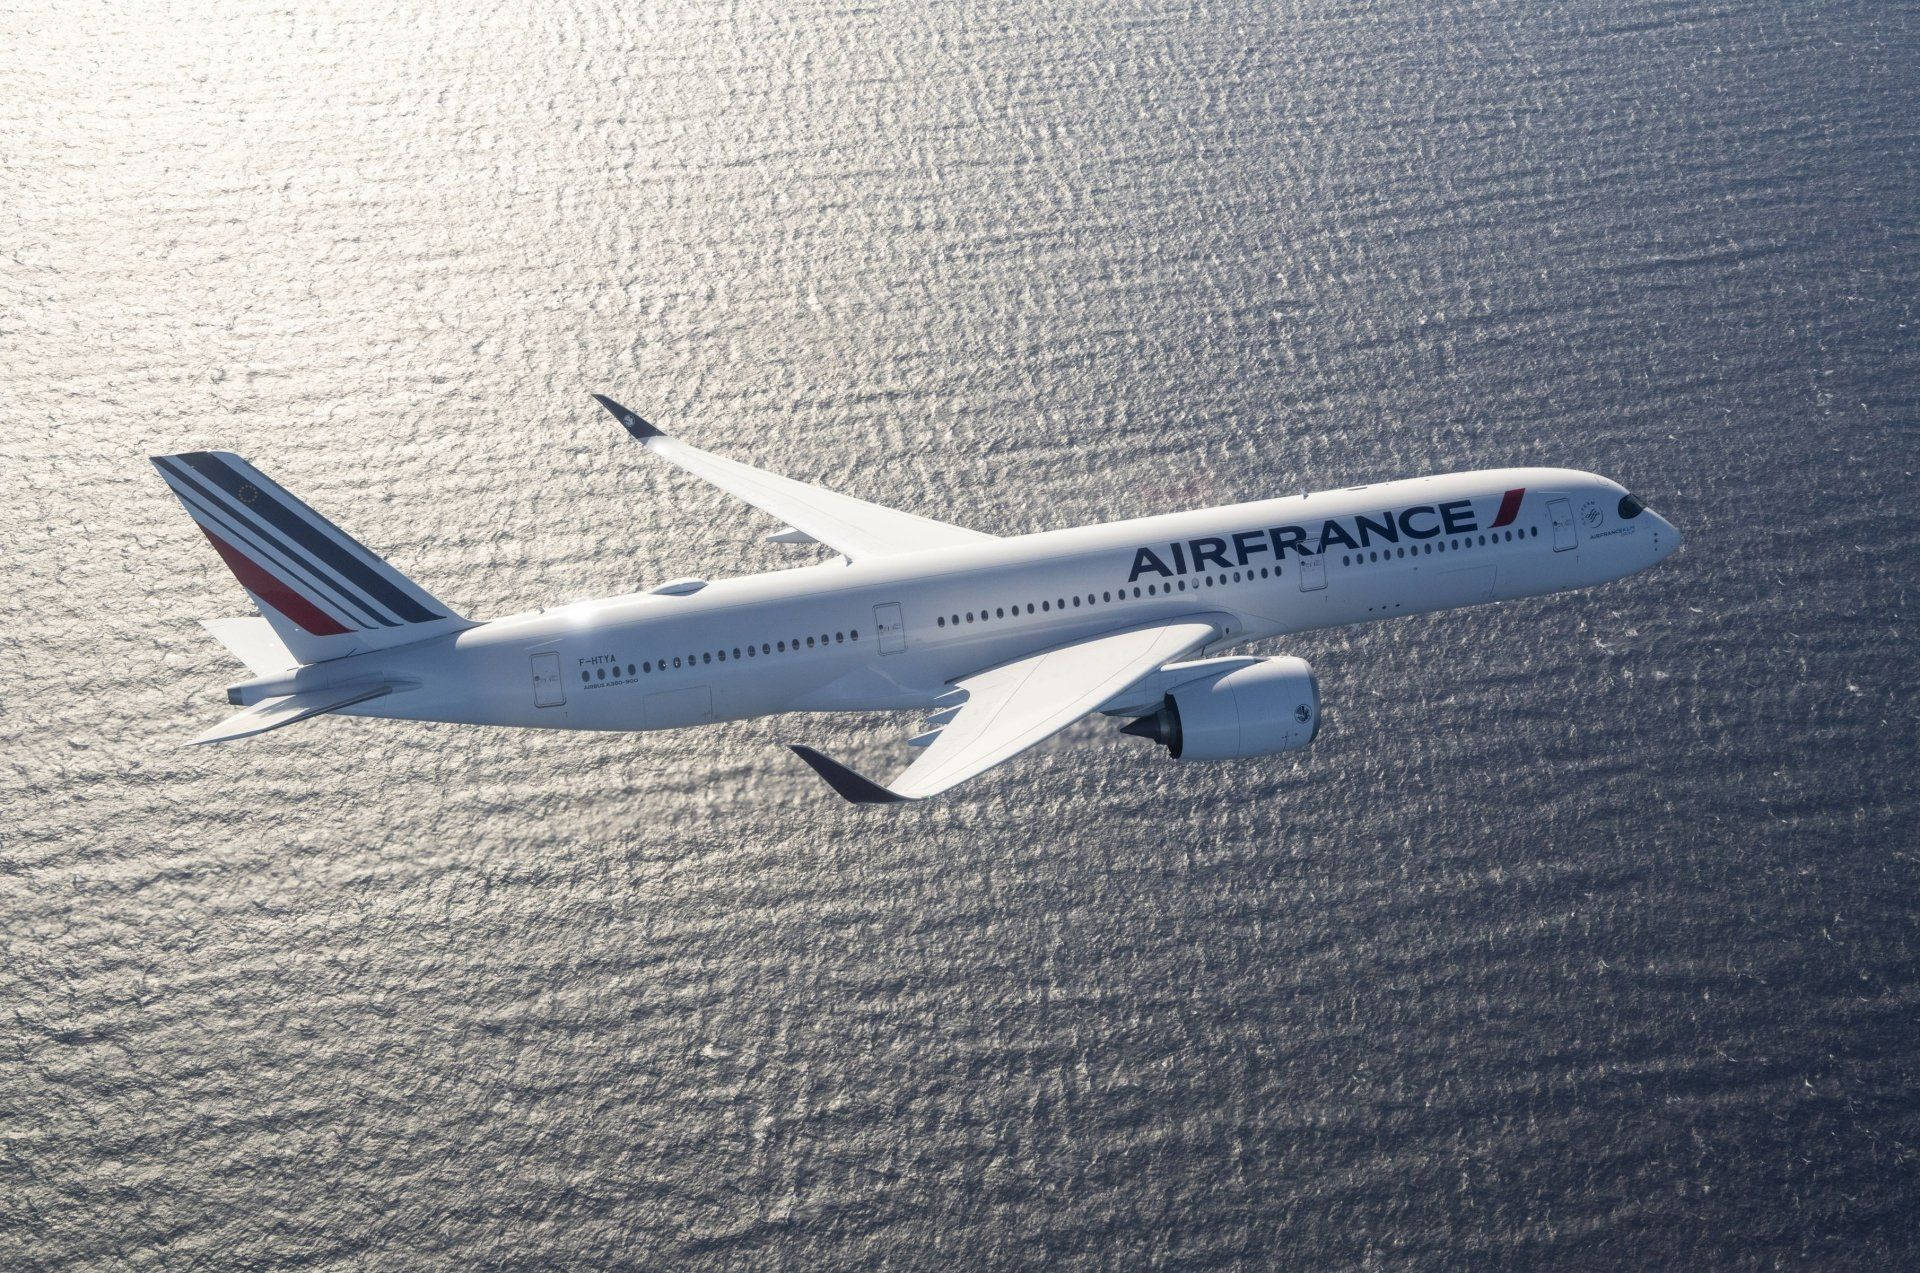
1258	710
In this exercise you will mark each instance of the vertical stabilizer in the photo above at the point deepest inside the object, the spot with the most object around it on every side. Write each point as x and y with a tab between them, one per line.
324	593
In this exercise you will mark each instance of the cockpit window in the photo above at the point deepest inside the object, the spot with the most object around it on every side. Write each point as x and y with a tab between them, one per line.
1630	508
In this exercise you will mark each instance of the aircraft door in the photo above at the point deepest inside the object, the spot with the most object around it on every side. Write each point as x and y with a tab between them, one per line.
892	629
548	690
1561	510
1313	573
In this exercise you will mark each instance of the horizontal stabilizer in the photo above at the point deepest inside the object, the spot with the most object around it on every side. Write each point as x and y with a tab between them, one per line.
253	642
272	713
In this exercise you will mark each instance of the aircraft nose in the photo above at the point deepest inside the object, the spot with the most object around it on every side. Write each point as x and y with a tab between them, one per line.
1670	538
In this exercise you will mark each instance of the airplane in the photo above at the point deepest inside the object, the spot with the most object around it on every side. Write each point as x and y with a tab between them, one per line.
1001	641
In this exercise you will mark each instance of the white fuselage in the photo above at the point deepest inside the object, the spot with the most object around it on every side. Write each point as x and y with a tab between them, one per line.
893	632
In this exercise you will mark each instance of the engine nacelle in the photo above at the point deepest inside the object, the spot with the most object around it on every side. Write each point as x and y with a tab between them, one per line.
1257	710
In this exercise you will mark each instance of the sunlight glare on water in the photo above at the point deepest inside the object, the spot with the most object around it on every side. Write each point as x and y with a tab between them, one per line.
1584	934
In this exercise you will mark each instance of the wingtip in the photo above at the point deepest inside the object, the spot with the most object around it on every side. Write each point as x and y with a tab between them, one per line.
160	461
628	420
848	784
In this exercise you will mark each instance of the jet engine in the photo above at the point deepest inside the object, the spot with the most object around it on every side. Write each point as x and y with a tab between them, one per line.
1257	709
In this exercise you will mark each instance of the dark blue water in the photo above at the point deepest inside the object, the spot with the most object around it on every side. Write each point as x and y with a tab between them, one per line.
1584	936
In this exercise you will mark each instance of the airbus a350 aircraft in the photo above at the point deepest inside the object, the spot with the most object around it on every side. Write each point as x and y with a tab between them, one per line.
1003	642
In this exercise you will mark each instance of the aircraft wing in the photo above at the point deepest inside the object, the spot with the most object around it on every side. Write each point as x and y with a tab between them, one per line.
999	713
845	524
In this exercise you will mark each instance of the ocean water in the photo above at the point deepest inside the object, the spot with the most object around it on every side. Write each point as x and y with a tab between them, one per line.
1584	936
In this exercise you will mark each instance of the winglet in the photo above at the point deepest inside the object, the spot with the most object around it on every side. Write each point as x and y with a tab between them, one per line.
628	420
849	784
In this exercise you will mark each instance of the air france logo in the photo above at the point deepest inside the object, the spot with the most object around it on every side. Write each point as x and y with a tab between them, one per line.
1418	522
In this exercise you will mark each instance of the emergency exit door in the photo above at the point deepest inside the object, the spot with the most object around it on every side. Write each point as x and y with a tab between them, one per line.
548	691
1561	510
1313	573
890	627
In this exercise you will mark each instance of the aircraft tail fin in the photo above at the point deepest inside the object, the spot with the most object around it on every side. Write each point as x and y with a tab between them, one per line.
323	594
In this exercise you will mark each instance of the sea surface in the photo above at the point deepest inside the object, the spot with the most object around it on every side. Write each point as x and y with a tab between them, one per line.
1585	936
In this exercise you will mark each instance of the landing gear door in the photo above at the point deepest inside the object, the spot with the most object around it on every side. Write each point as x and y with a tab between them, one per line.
548	690
890	627
1313	573
1561	510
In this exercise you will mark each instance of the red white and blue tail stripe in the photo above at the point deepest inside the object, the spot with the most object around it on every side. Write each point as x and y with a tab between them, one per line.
324	593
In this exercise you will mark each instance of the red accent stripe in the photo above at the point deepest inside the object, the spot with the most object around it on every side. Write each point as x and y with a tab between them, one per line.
272	591
1509	508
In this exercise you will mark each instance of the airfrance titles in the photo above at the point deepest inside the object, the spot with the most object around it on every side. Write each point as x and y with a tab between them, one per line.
1214	552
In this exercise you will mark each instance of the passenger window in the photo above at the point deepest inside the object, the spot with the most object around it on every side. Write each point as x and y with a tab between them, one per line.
586	676
941	621
839	638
